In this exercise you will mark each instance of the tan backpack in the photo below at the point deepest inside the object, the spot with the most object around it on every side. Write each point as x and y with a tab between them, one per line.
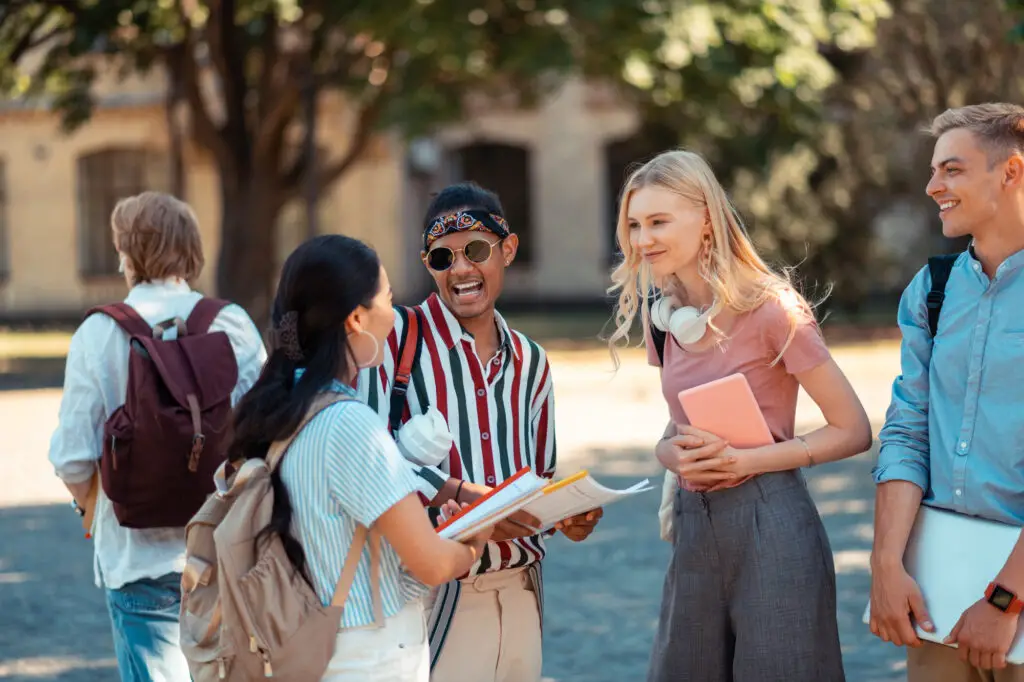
246	612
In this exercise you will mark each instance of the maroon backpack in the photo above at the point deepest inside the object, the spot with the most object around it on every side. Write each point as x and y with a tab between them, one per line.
162	447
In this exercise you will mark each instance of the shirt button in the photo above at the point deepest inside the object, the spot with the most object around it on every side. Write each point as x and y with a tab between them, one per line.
481	392
959	493
496	360
485	435
490	480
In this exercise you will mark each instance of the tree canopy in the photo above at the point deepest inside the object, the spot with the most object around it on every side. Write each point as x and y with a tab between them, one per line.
745	81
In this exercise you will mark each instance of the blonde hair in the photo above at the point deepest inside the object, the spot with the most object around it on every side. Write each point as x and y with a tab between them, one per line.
159	236
998	125
739	278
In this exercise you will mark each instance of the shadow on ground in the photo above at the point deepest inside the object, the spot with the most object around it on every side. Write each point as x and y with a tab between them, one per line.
17	374
602	596
54	624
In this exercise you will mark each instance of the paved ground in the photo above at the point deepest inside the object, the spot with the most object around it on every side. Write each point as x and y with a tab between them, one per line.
602	595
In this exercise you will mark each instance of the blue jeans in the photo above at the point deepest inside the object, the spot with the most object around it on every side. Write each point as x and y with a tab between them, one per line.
144	616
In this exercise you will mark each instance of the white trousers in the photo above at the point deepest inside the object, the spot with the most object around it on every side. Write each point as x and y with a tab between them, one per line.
397	652
495	632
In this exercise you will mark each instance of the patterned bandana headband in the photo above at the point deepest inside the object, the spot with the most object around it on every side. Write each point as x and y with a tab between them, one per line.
464	221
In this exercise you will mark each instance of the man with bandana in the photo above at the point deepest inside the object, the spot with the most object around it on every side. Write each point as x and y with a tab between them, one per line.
492	387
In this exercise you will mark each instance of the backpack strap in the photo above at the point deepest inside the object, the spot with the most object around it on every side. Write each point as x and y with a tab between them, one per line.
126	318
408	354
940	268
227	485
348	571
658	337
319	404
203	315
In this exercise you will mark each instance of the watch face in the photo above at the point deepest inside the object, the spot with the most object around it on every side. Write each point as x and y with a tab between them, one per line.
1001	599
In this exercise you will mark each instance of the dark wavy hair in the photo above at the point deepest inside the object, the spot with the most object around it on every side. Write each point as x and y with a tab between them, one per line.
322	283
466	196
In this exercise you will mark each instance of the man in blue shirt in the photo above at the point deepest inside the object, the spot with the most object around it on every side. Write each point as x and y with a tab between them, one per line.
954	433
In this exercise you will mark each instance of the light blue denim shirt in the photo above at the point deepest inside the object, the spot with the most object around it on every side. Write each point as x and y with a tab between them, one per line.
955	426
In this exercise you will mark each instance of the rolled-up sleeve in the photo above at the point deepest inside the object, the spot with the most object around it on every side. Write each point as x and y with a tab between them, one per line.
904	453
246	342
76	445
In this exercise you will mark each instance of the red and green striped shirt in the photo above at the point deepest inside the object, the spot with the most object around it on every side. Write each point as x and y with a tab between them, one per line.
500	412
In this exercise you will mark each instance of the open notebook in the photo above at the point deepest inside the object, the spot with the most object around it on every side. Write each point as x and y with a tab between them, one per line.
548	502
575	495
506	499
953	557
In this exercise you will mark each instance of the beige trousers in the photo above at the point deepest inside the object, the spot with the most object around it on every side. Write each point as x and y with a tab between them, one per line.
495	632
937	663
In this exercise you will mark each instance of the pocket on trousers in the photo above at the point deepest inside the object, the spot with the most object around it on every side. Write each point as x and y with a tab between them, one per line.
413	631
146	596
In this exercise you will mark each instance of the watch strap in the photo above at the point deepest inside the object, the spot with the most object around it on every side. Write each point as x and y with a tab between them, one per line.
1015	606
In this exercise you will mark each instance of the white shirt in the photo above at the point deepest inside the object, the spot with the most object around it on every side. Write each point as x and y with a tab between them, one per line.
95	384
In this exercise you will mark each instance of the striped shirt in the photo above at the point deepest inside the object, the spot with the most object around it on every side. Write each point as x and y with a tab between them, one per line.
341	469
501	415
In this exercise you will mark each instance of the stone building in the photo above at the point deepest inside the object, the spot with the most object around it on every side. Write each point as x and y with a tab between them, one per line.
557	168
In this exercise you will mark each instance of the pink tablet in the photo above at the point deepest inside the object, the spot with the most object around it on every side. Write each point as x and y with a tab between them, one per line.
727	408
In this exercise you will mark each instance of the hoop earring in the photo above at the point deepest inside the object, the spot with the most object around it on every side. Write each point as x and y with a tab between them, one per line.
376	349
705	261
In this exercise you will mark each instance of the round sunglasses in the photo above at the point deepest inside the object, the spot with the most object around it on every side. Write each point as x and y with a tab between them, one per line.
476	250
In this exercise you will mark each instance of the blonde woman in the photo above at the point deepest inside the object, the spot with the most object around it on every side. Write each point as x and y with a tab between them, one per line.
750	591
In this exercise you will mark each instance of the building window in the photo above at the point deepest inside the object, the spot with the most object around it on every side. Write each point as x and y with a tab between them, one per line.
5	247
104	178
505	170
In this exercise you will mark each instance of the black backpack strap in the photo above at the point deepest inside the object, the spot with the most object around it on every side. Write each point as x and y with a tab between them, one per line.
408	356
658	338
939	267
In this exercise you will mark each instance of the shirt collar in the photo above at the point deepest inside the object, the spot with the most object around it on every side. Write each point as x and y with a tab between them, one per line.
334	385
158	288
456	331
1011	264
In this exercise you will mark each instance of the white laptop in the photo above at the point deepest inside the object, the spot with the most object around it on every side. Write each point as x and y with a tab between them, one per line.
953	558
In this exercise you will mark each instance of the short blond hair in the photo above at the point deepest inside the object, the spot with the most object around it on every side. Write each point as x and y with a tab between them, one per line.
159	236
998	125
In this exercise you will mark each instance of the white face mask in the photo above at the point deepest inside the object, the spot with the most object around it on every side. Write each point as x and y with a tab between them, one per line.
121	263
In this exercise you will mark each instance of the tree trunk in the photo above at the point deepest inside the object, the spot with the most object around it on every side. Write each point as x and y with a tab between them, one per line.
177	162
175	133
247	262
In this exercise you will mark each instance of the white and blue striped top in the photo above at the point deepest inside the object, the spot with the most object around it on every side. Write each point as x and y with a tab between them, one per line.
341	469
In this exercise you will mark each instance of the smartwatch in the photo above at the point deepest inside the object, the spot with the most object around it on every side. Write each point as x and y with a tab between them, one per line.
1003	599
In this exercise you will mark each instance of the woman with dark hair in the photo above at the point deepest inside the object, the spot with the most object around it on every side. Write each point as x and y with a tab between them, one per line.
331	317
492	387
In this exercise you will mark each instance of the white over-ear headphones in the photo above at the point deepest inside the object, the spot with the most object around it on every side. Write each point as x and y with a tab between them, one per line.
686	324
